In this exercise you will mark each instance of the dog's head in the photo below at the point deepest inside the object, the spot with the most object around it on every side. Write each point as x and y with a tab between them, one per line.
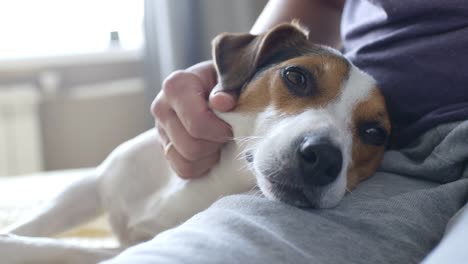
314	125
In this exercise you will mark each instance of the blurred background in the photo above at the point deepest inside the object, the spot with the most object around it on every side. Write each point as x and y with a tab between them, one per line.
77	77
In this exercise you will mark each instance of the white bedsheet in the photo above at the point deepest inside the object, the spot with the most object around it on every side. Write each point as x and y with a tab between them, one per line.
21	194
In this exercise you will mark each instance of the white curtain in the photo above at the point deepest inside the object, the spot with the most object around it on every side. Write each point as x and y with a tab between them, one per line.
179	32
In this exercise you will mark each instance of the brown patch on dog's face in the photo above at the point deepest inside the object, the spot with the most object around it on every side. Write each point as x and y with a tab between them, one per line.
321	77
368	148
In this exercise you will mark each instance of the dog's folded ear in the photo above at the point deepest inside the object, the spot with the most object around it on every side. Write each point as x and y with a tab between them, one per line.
237	57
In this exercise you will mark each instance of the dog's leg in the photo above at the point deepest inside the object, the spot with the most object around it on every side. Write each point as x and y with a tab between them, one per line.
76	204
19	250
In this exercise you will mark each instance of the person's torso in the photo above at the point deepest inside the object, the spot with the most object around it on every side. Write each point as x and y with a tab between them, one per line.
418	52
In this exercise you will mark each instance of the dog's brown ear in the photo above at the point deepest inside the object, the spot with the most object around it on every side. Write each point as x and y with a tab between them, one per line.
238	56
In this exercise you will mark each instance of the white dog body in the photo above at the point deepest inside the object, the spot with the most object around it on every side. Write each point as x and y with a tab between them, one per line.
152	198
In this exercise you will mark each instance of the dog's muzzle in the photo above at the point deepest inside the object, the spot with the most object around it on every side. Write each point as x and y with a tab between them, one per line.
305	173
319	161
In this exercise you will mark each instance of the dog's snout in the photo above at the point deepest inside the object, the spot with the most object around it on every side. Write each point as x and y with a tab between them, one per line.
320	161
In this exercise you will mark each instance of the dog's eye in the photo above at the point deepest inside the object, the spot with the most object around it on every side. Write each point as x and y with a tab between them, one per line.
299	81
295	78
373	133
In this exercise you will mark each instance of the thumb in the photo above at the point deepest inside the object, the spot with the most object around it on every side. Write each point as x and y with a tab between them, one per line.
222	101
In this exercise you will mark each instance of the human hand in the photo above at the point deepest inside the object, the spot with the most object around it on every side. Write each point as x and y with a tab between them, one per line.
184	119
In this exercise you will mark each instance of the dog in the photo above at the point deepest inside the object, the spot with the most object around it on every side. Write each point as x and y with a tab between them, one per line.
308	126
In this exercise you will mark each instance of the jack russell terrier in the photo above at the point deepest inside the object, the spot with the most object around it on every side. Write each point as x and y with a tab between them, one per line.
308	126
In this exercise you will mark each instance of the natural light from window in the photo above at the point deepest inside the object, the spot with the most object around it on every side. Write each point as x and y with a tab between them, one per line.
38	28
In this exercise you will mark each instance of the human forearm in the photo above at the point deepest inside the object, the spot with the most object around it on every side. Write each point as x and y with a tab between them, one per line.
321	17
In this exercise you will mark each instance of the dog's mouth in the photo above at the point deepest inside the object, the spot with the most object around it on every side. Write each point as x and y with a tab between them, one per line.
287	193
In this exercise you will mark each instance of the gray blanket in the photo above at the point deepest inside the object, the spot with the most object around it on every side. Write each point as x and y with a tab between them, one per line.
397	216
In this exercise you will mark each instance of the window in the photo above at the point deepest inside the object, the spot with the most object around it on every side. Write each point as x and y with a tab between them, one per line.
56	27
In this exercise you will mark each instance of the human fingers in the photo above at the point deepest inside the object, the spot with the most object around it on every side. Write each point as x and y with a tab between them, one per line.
187	97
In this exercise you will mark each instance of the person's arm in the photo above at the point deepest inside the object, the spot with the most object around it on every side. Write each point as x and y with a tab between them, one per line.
321	17
182	111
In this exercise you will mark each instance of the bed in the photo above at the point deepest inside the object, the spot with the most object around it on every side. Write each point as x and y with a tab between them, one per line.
21	194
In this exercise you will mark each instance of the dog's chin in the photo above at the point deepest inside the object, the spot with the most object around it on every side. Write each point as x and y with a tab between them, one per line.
295	195
285	193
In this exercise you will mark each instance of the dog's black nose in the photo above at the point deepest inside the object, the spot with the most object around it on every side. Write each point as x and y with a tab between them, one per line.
320	161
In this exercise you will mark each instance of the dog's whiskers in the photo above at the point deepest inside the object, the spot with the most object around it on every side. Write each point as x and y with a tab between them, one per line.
256	192
243	140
